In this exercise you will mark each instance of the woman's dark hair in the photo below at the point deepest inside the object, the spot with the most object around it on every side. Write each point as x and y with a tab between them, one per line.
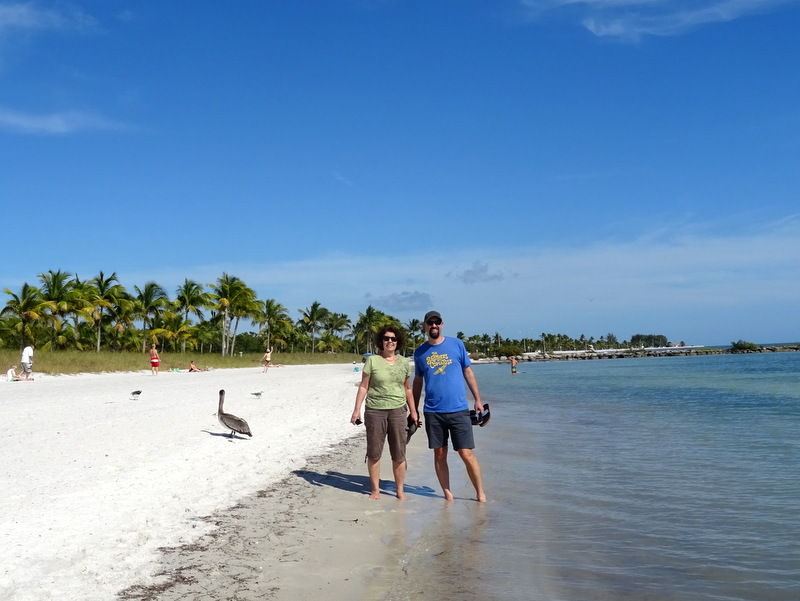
401	338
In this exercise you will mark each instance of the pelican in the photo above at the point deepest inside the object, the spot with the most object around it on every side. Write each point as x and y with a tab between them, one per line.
257	394
231	422
135	394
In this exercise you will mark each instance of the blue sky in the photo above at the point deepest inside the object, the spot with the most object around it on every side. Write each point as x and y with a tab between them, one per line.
523	166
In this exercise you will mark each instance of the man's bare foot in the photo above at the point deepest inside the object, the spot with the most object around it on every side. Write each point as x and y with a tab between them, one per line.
481	498
448	496
401	495
375	495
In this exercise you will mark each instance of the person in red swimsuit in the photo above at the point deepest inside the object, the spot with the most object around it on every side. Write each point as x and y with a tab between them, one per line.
154	359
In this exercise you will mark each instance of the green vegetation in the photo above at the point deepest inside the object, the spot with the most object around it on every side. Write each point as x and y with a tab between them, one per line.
73	362
648	340
71	319
743	346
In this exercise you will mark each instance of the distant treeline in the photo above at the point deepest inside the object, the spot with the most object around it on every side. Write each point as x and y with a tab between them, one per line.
63	311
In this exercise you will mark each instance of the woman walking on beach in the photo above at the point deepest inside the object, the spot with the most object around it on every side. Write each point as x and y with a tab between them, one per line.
386	386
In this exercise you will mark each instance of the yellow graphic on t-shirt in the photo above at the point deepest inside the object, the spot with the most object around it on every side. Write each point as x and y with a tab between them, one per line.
438	362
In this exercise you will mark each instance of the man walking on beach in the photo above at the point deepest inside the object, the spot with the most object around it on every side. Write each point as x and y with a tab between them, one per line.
27	362
442	364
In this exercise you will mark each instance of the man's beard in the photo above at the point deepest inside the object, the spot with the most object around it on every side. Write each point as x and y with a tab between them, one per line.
434	334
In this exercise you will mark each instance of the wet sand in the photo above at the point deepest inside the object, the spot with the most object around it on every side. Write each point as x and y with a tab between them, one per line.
315	533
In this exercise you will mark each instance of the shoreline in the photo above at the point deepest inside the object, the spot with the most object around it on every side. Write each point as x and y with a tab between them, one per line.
107	495
316	532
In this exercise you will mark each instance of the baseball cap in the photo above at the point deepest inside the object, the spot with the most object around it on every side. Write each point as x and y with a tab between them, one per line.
430	314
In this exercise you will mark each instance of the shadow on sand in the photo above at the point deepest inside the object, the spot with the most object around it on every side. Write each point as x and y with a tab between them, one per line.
359	484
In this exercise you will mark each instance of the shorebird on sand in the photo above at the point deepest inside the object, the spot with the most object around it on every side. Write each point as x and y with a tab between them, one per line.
231	422
257	394
135	394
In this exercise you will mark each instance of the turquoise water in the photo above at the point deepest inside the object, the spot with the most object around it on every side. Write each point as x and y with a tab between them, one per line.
650	479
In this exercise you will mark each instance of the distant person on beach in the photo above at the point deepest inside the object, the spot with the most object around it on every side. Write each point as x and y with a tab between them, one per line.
154	359
442	365
11	374
386	386
27	362
267	359
193	367
513	364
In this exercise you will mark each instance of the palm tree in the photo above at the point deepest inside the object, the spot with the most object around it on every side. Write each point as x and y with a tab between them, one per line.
29	308
312	319
416	333
190	298
57	288
369	322
328	341
336	324
272	317
172	327
150	301
221	298
232	298
81	310
245	305
105	295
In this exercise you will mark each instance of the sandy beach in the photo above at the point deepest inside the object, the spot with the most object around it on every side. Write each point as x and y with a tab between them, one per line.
108	496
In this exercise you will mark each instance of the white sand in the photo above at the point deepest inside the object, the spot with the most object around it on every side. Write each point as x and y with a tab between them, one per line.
94	483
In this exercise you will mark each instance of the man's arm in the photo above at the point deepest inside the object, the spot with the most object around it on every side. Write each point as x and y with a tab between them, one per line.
472	384
416	391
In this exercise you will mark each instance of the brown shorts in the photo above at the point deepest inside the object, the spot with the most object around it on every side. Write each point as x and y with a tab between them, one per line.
382	424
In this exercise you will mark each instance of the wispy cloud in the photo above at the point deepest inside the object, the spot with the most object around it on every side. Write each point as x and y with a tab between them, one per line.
479	273
28	16
57	123
402	301
634	19
686	282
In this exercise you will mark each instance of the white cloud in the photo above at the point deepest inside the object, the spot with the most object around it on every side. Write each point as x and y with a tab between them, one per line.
57	123
687	284
29	17
634	19
479	273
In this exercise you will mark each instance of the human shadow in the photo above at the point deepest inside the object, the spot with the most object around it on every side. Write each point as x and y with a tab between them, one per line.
357	483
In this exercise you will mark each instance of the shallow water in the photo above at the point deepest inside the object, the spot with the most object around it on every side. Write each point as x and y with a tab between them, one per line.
649	479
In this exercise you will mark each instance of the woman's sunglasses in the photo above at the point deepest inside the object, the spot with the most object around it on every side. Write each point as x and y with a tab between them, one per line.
389	339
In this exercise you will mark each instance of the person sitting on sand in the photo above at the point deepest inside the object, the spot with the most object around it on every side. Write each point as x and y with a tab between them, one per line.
11	374
386	386
193	367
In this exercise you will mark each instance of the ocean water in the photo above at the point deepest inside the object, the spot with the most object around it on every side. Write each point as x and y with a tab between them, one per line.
658	479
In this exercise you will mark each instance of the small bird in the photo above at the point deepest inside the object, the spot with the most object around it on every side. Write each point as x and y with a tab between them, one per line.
231	422
257	394
135	394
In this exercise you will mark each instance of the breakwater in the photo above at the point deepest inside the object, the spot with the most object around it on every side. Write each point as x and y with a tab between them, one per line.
677	351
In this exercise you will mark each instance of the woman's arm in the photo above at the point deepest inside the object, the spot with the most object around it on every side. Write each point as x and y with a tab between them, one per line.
361	394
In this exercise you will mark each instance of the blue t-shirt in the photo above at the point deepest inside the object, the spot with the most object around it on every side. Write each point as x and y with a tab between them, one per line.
442	366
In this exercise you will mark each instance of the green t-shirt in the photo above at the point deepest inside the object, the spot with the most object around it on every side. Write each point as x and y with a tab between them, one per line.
387	388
